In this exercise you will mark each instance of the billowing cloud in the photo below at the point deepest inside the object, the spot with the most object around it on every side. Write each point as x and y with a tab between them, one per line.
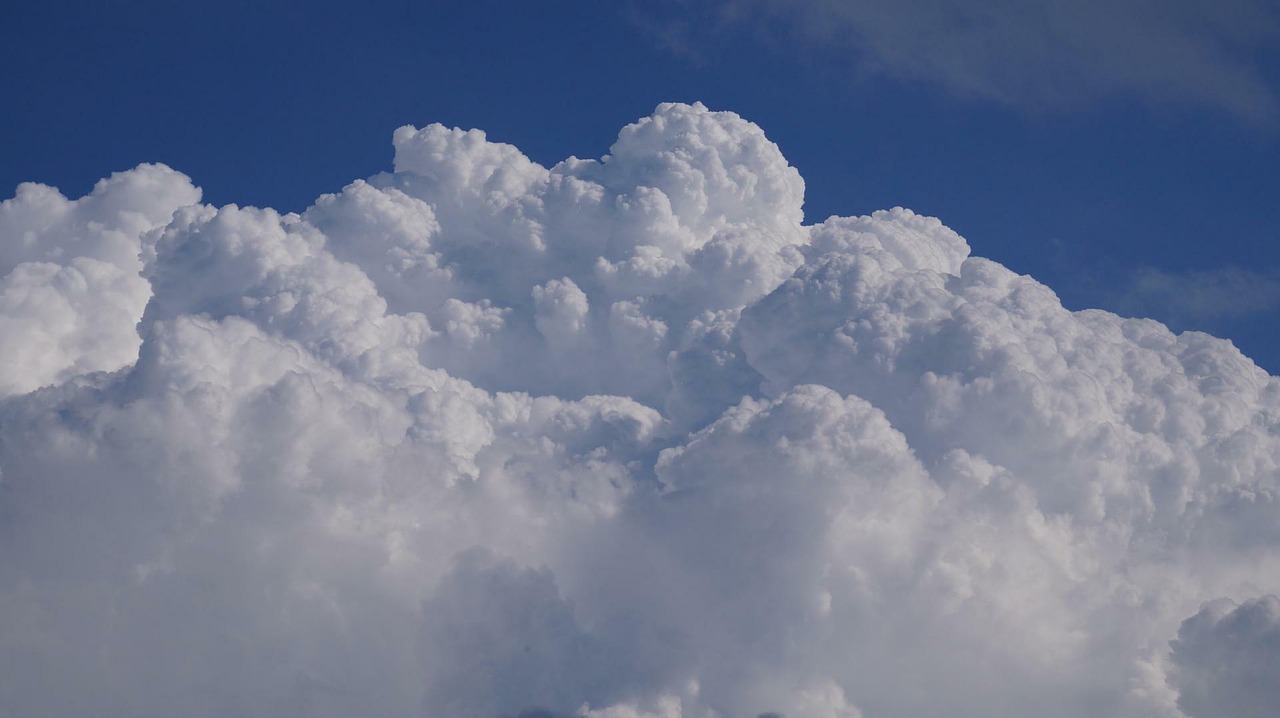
1033	54
617	438
70	293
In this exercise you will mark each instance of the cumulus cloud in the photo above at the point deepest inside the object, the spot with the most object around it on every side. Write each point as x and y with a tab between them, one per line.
618	438
1036	54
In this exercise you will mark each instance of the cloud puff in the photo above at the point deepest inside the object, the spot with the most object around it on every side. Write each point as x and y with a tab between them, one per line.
70	293
618	438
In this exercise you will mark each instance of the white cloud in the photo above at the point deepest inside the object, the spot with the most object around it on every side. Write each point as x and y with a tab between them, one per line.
70	293
614	438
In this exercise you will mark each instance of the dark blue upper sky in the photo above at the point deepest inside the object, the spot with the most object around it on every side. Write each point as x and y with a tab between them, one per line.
1130	177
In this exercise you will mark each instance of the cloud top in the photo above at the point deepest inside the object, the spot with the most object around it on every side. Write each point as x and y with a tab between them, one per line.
70	293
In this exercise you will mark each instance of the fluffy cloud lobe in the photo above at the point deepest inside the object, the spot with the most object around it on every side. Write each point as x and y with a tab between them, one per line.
618	438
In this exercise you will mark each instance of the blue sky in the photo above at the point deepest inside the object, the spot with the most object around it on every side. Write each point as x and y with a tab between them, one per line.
1110	166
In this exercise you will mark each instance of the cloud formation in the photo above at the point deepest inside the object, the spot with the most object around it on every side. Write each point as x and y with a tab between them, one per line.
1033	54
617	438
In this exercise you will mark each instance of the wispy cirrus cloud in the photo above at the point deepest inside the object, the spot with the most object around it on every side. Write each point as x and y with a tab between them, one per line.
1197	298
1059	53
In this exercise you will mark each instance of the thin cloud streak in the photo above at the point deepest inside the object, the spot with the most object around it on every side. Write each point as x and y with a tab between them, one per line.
1196	298
1036	55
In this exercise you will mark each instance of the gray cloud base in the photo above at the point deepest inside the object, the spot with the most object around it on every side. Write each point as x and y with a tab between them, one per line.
1227	659
620	438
